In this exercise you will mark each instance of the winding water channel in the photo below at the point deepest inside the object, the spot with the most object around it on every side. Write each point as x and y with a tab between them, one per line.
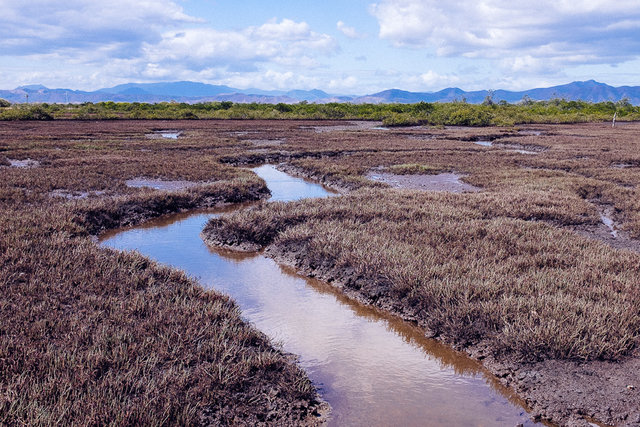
372	368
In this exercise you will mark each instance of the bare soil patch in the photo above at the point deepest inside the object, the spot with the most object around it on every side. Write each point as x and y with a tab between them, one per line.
448	182
159	184
26	163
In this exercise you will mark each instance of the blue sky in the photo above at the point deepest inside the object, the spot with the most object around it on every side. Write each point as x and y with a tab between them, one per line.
347	46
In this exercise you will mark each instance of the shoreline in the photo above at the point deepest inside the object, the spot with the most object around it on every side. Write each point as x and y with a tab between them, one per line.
561	392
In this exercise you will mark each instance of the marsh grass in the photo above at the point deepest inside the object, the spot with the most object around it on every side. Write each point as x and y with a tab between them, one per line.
502	266
467	267
92	336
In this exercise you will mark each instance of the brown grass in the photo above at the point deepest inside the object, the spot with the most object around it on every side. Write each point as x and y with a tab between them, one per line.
465	266
487	267
91	336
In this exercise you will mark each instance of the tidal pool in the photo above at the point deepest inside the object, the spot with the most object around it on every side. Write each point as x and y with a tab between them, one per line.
372	368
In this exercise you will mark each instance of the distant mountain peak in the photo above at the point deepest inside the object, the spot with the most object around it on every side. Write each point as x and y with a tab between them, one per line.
32	87
193	92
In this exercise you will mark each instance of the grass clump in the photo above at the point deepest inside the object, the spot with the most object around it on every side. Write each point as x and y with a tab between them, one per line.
414	169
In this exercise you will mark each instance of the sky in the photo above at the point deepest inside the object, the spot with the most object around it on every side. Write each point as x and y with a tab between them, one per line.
340	46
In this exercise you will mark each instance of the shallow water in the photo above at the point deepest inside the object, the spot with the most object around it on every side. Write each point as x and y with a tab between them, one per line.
484	143
525	151
606	220
27	163
371	367
160	184
166	134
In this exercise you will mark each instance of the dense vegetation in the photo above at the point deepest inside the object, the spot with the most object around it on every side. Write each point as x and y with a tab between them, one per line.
465	266
454	113
490	266
90	336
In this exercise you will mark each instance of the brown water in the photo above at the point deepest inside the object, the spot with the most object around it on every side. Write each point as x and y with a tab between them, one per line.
373	369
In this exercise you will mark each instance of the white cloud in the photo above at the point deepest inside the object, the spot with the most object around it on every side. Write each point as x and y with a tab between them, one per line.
271	79
121	41
435	81
348	31
286	42
46	26
556	32
346	83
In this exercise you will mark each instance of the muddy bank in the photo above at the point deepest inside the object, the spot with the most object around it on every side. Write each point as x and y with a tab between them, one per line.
556	390
121	211
559	392
609	230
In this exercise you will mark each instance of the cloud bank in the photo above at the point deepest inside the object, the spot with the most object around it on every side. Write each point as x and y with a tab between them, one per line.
119	26
525	35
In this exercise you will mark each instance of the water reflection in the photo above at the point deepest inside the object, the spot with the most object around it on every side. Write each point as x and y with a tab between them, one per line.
371	367
285	188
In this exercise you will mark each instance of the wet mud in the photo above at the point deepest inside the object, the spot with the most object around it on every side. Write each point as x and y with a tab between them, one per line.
159	184
446	182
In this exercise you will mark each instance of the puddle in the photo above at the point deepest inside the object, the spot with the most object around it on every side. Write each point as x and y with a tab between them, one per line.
166	134
27	163
352	125
622	165
372	368
422	137
159	184
243	133
522	149
516	148
531	132
447	182
606	218
484	143
525	151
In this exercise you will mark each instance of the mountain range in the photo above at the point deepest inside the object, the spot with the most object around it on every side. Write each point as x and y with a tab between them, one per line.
194	92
